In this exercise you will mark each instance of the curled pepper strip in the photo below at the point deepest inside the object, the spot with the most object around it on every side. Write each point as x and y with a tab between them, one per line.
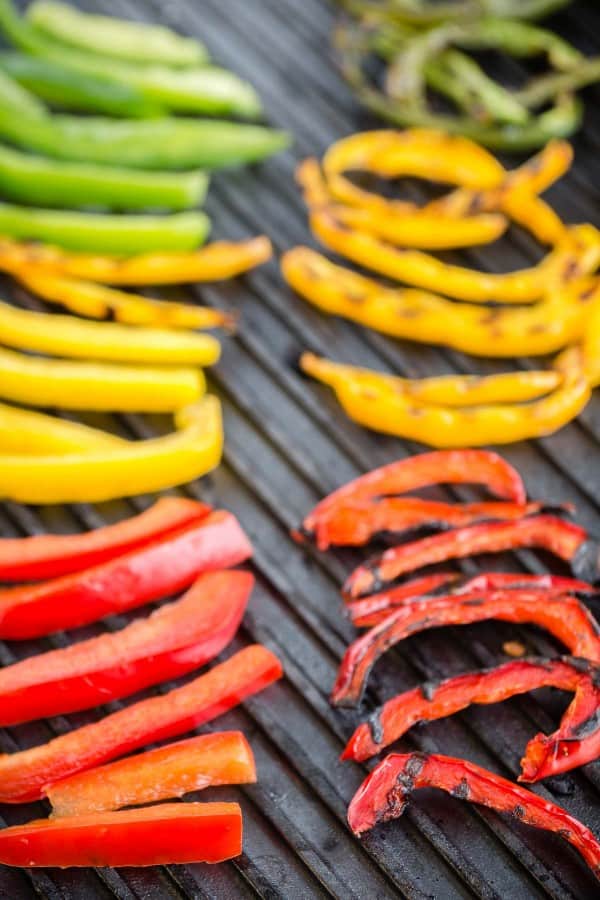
575	743
565	539
384	795
562	615
33	434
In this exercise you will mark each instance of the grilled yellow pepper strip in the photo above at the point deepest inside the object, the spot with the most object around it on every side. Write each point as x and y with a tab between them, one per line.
215	262
441	390
23	431
72	337
110	387
535	330
135	468
590	347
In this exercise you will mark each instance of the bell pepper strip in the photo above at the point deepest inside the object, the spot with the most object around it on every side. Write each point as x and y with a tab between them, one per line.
174	640
384	795
136	467
32	433
216	262
28	774
575	743
563	539
154	570
47	182
87	298
51	555
562	615
416	315
165	834
374	609
72	384
63	335
170	771
590	346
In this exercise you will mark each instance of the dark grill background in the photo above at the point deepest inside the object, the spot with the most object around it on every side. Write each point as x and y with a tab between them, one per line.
287	445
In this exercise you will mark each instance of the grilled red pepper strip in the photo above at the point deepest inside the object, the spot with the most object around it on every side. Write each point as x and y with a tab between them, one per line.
562	615
576	742
547	532
152	836
26	775
148	573
173	640
384	794
50	555
437	467
374	609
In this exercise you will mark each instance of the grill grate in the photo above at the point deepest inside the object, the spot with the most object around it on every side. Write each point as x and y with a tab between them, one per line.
287	445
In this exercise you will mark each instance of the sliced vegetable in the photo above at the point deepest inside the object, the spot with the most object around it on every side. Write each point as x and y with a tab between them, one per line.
32	433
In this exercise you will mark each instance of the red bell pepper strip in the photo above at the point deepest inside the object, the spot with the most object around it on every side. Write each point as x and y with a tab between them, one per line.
173	640
437	467
374	609
576	742
155	835
384	795
26	775
171	771
50	555
562	538
163	567
562	615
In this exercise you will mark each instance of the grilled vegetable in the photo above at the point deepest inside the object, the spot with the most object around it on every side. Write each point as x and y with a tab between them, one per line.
23	432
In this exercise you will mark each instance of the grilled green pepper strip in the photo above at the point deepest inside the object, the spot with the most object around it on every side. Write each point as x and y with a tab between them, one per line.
121	234
116	38
424	12
543	89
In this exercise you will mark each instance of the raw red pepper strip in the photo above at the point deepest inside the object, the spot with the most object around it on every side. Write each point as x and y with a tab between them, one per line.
26	775
155	835
173	640
374	609
156	570
576	742
384	795
50	555
562	615
562	538
438	467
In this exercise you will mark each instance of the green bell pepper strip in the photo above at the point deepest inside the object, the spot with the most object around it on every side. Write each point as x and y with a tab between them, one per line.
48	182
130	41
543	89
121	234
425	13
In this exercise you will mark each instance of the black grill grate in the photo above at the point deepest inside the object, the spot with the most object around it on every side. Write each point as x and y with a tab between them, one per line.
287	445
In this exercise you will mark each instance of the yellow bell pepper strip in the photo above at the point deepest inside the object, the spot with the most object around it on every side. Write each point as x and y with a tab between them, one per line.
542	328
218	261
441	390
590	348
578	255
138	467
70	384
87	298
25	432
72	337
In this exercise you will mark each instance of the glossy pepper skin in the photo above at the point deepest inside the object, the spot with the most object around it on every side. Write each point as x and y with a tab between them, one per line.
52	555
24	432
157	569
172	641
563	539
562	615
156	835
575	743
28	774
385	792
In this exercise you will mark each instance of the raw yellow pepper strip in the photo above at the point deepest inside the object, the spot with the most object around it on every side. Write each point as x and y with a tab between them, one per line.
545	327
72	337
137	467
442	390
23	431
111	387
88	298
215	262
577	255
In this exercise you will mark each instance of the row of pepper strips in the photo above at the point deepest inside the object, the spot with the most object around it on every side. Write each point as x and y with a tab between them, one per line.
540	310
374	506
78	579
